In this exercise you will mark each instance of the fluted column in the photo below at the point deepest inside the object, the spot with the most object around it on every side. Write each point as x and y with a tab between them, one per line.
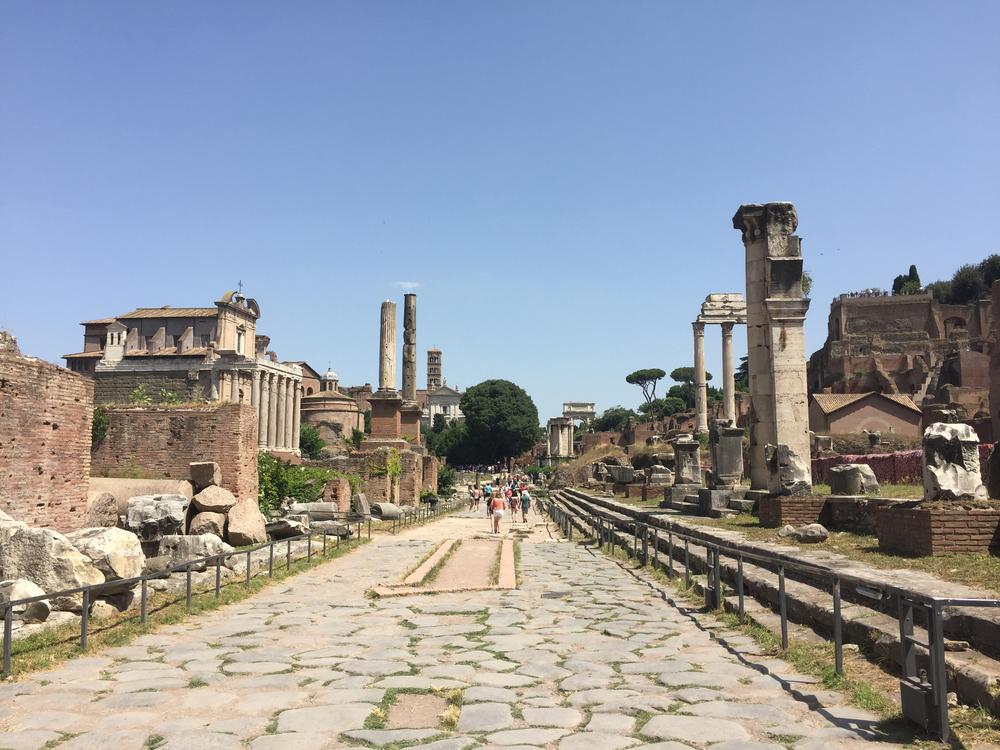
728	374
279	434
263	411
289	413
700	392
272	412
255	388
297	415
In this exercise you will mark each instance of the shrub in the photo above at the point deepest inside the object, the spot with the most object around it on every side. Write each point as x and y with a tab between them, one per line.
168	397
446	480
278	480
357	438
139	396
310	443
99	428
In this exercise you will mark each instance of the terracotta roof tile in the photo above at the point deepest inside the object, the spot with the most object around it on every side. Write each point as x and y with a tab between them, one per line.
831	402
170	312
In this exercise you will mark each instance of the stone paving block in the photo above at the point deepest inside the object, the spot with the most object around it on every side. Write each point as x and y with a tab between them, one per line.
332	719
596	741
380	737
485	717
566	718
28	739
526	736
611	723
693	729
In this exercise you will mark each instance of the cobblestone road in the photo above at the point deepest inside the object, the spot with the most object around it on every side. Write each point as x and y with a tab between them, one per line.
581	657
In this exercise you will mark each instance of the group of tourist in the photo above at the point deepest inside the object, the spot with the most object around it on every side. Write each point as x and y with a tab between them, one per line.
500	494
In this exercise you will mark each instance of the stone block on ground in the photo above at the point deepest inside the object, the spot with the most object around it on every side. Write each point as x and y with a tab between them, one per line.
386	511
181	548
359	504
151	517
246	524
205	474
286	528
208	522
852	479
115	552
809	533
22	588
214	499
332	528
102	510
48	559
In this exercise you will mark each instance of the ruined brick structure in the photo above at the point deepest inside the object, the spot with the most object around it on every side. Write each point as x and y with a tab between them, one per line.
909	344
45	422
162	442
938	531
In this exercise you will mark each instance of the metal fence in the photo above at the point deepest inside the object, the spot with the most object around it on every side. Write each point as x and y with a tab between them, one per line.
924	692
89	593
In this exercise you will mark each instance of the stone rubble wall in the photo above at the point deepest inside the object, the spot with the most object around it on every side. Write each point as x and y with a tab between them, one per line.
938	531
162	443
45	422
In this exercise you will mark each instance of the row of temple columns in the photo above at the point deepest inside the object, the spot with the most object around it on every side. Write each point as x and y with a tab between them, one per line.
728	376
278	400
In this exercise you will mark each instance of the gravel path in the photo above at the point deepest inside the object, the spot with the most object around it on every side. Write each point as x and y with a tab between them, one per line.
581	657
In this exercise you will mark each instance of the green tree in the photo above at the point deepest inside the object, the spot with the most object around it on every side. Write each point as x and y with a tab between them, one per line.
686	375
742	375
941	291
807	283
646	379
501	422
357	438
662	407
990	269
440	423
368	422
613	419
99	427
967	285
310	443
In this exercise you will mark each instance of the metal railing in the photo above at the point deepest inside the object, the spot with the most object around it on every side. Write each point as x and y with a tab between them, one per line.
924	692
200	564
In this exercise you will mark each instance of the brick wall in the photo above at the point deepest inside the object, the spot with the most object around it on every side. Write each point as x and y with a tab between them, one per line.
117	387
938	531
45	418
899	467
431	464
161	442
782	510
411	479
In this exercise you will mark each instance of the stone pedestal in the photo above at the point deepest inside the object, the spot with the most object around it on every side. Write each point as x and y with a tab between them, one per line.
386	407
409	416
713	500
726	445
687	462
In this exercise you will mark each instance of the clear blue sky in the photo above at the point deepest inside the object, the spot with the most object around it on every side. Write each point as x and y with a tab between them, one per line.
558	177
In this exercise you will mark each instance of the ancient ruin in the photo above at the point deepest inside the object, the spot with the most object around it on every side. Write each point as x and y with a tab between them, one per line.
776	309
726	311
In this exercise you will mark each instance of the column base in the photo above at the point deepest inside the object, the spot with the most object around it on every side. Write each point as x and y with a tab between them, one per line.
386	407
409	416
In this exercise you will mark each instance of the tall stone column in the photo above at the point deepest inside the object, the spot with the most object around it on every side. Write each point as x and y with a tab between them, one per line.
387	348
289	413
776	310
386	403
272	413
409	414
279	433
297	416
213	391
700	385
728	374
263	411
255	389
410	347
234	387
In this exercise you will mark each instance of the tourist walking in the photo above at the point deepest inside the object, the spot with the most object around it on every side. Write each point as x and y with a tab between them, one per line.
496	509
525	505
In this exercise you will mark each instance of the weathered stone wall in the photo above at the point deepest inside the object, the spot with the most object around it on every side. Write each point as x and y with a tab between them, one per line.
938	531
45	420
117	387
431	464
162	442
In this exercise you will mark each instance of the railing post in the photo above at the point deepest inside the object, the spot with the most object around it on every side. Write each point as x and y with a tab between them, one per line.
288	554
670	554
84	619
718	581
324	542
309	547
783	607
687	565
218	576
248	568
143	598
369	527
838	641
739	584
935	630
8	635
187	587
